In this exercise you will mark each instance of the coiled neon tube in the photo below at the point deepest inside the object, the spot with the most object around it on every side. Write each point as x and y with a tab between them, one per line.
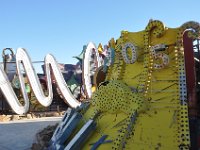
22	57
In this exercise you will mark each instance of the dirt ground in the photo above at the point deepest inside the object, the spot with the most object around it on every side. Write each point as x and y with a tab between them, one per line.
28	132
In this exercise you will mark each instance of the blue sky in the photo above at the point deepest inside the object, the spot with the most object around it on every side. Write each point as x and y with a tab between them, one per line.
62	27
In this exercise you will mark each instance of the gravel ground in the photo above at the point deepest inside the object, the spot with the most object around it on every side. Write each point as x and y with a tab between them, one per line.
21	134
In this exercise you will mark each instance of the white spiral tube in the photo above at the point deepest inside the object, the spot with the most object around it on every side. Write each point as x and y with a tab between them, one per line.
86	71
7	90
